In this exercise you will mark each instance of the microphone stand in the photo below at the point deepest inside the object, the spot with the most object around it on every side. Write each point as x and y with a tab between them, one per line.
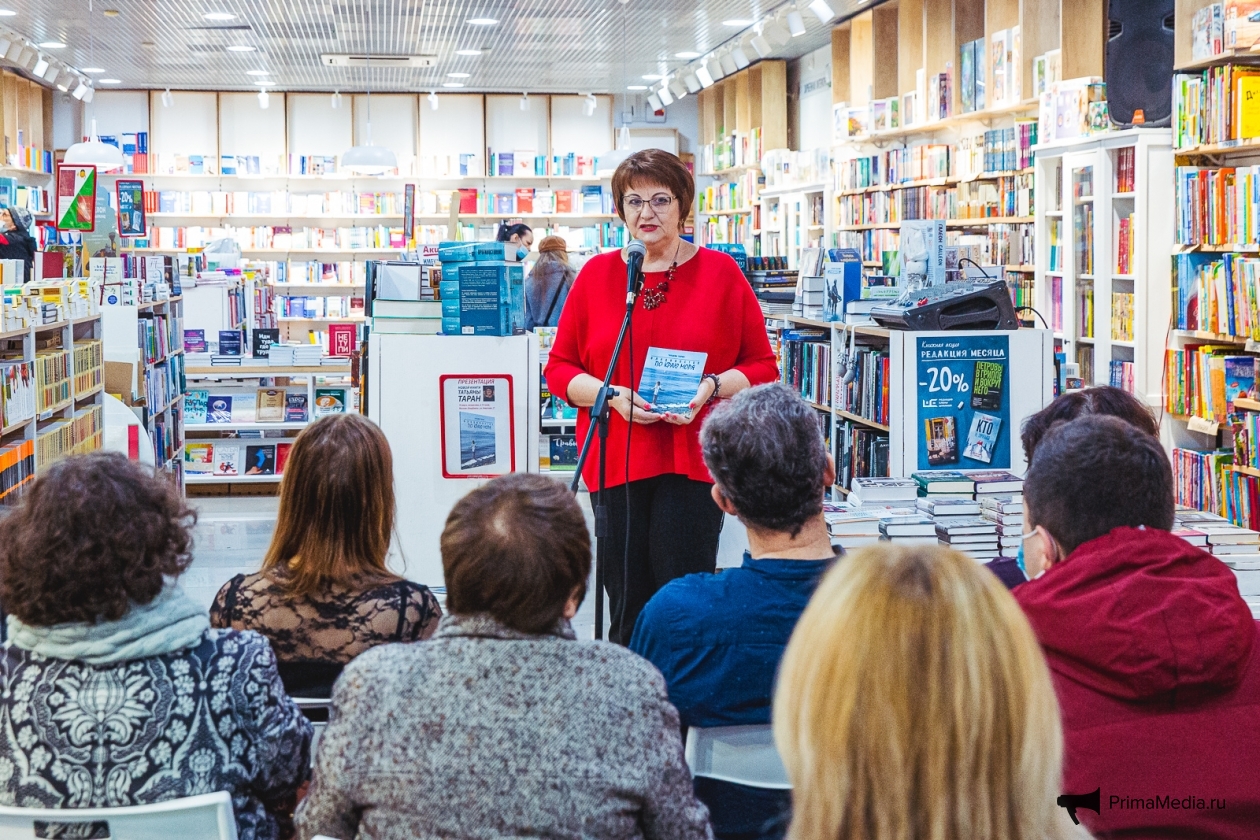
600	415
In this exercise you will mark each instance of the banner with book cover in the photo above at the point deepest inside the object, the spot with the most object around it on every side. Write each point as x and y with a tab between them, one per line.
478	426
76	197
964	404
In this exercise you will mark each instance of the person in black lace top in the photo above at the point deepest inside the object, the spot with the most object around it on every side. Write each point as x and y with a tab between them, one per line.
324	594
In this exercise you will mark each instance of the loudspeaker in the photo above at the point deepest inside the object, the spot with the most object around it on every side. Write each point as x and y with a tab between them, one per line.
1139	64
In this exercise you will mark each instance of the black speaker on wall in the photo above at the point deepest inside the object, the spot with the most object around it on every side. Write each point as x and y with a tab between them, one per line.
1139	66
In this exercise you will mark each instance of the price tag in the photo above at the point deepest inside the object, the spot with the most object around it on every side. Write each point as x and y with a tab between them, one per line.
1203	426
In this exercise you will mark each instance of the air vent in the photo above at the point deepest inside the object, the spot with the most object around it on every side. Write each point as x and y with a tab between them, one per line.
363	60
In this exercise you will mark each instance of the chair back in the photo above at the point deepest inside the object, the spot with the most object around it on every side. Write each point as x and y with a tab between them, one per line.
316	710
745	755
205	817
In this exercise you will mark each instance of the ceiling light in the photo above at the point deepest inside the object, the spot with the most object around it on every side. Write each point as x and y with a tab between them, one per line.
29	59
677	88
636	87
777	33
14	52
590	104
336	99
525	101
52	45
655	102
257	72
51	74
111	13
761	45
458	75
692	83
796	23
452	84
728	63
167	99
702	76
821	10
41	67
92	69
241	48
263	82
7	13
87	97
110	81
5	43
218	16
687	56
79	90
93	152
653	77
486	21
433	100
468	52
740	57
664	94
714	68
740	22
263	100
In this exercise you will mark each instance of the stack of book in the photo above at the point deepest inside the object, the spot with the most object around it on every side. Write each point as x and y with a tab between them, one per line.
914	529
881	490
995	483
944	484
948	511
307	355
1006	512
975	536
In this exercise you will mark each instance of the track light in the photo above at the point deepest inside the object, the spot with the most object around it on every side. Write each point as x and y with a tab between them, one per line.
796	23
14	52
655	101
264	101
433	100
50	75
167	99
821	10
692	83
41	67
525	101
677	88
590	104
740	57
87	97
5	43
714	68
776	33
728	63
666	97
336	99
761	45
702	76
79	91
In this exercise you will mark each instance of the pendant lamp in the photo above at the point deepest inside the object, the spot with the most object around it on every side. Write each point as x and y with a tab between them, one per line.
93	152
368	159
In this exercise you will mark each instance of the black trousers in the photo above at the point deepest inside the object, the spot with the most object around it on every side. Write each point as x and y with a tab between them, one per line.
674	530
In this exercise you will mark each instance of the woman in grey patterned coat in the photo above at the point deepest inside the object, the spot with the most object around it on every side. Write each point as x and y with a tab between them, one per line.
113	688
503	725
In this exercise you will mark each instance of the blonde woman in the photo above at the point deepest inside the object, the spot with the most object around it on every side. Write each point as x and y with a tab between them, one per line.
914	702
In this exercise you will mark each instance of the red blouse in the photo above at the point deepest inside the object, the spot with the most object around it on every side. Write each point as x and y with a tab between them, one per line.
709	308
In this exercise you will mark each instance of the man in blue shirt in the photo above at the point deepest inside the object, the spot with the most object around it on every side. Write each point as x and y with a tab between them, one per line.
717	638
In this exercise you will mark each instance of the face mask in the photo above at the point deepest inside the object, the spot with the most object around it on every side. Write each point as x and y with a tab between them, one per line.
522	253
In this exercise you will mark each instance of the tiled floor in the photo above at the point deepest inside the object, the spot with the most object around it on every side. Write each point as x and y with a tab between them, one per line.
232	535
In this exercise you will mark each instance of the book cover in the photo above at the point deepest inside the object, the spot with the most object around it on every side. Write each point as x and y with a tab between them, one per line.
195	341
670	379
944	481
342	339
260	460
329	401
195	404
1240	378
942	440
270	405
295	409
978	68
1247	105
219	409
564	452
922	253
967	77
199	458
982	437
986	385
282	456
996	481
261	341
476	439
227	458
229	343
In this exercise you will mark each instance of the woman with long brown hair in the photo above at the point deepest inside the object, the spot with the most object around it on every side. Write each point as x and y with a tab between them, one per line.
324	594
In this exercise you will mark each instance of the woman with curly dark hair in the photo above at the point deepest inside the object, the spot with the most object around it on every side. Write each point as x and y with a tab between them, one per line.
113	688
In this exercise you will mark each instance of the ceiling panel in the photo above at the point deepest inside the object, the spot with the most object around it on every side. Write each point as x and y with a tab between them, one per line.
572	46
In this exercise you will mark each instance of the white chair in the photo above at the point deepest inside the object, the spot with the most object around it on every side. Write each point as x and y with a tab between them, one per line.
308	704
205	817
745	755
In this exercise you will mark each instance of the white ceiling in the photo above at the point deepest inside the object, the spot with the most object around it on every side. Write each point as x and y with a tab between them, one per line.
574	46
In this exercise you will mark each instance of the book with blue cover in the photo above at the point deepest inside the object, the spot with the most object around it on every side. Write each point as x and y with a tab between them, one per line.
982	437
670	379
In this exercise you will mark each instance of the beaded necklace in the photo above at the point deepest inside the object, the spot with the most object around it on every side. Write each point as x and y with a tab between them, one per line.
655	296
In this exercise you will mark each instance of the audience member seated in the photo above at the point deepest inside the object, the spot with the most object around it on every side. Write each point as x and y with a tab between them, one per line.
324	594
718	638
1153	651
503	724
1101	400
913	702
113	688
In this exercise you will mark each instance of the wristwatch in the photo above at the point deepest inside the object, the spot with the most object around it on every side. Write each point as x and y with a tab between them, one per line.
717	386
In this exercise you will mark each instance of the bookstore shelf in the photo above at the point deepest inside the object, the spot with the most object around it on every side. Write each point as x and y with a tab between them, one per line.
859	419
987	115
23	170
1245	470
197	478
249	372
16	427
214	427
53	327
355	319
785	190
266	219
1215	338
1247	404
819	406
78	397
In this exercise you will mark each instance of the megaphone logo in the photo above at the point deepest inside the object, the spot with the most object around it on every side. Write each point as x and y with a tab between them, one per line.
1072	801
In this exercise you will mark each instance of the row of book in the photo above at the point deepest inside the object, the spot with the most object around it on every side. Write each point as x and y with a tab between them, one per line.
1125	244
52	378
997	198
306	306
1122	316
163	383
1000	244
726	230
89	365
29	197
1217	205
74	436
1199	478
737	194
17	391
1221	26
281	238
1217	105
264	405
558	452
283	202
731	149
525	163
805	364
894	167
868	393
859	452
17	470
1121	375
159	335
1203	380
1218	293
229	459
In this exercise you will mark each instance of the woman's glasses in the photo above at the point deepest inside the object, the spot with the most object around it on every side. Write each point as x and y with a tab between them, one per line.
659	203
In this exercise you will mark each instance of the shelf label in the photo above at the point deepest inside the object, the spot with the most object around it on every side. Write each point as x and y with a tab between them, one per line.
1203	426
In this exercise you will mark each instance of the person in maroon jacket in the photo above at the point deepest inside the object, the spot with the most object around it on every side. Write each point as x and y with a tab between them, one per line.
1154	653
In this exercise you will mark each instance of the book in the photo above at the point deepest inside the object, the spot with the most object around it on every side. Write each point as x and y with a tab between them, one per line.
986	385
270	405
1192	536
944	481
229	343
941	434
974	525
908	526
996	481
195	404
882	489
343	339
199	459
670	379
982	437
219	408
852	523
282	456
329	401
922	253
227	458
261	341
195	341
295	409
948	507
260	459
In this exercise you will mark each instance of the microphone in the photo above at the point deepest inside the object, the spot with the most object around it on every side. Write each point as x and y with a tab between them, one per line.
635	252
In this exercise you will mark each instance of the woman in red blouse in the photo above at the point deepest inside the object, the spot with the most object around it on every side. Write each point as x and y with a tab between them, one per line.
693	299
